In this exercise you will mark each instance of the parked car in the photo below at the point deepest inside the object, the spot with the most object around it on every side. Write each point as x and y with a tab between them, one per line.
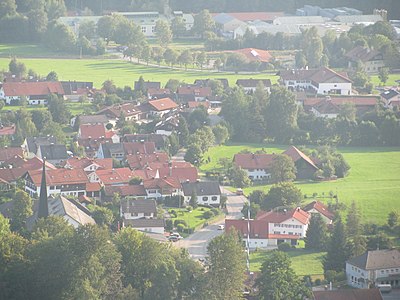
239	192
221	227
384	288
173	238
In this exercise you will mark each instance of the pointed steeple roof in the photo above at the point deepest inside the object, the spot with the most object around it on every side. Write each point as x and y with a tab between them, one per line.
43	205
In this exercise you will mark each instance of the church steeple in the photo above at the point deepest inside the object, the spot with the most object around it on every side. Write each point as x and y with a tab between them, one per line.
43	205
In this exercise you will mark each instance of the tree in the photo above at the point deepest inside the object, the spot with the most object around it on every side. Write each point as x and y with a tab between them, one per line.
393	219
193	200
278	281
353	226
226	266
109	87
383	74
337	255
194	154
379	241
163	33
58	109
40	118
37	21
312	47
146	53
281	114
356	245
317	235
106	28
239	177
183	131
282	194
203	22
87	29
7	7
221	134
300	59
178	26
102	215
185	58
52	76
282	169
170	56
21	210
16	68
60	37
198	118
254	209
55	9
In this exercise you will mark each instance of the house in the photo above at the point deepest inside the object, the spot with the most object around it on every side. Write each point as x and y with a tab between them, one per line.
257	166
206	193
54	154
153	93
305	166
138	209
159	188
140	161
206	82
89	165
373	268
269	229
253	54
167	126
372	60
119	176
193	105
200	93
254	16
299	20
316	207
326	109
158	107
348	294
188	19
74	90
146	225
7	131
158	139
320	81
359	19
31	144
9	152
59	181
390	98
119	151
89	119
35	92
250	85
145	19
227	24
72	211
147	85
125	191
90	136
128	111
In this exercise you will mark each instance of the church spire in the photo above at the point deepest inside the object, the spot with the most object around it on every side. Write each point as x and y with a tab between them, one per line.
43	205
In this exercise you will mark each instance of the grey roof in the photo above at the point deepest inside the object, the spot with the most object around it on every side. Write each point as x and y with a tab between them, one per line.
291	29
93	119
72	86
112	148
149	84
51	151
139	206
378	259
158	139
299	20
223	18
61	206
139	223
359	19
389	94
202	188
253	82
34	142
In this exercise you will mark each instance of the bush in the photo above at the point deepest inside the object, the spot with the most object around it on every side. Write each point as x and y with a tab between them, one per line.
284	247
169	225
317	281
179	221
215	211
180	228
189	208
189	230
333	276
207	214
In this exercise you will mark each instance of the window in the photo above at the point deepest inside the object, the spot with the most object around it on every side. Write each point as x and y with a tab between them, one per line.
205	198
214	198
143	29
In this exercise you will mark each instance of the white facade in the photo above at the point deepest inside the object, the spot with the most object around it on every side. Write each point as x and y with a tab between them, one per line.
290	226
360	278
320	115
159	230
258	174
214	200
326	219
53	190
157	193
339	88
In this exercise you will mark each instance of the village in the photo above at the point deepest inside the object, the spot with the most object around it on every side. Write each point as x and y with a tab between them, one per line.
248	157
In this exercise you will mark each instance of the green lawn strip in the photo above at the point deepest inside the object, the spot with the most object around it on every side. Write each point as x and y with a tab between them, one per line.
121	72
195	218
372	182
391	81
304	262
77	108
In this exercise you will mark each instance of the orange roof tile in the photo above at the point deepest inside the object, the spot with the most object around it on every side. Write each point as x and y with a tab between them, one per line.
320	207
32	88
114	176
295	154
163	104
279	217
253	161
59	176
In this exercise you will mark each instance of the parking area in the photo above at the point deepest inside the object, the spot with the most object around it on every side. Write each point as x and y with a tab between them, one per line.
393	295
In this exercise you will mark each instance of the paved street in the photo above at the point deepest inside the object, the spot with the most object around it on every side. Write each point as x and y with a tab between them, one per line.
393	295
197	242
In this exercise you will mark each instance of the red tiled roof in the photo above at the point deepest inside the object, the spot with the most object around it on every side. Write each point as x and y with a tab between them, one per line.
160	183
199	91
253	54
93	187
126	109
139	147
139	161
295	154
9	152
59	176
163	104
145	173
253	161
126	190
13	174
187	174
8	130
320	207
320	75
33	88
93	131
258	228
194	104
81	163
279	217
114	176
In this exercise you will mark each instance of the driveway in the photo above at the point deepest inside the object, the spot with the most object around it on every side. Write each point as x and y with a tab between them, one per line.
197	242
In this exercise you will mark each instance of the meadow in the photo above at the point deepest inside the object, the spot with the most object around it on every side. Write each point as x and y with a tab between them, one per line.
373	181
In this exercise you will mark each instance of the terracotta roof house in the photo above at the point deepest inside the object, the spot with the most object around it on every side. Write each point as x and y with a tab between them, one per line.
257	166
374	267
269	229
348	294
250	85
320	81
96	131
305	166
200	93
129	111
253	54
55	154
372	60
316	207
9	152
206	192
72	211
153	93
125	191
58	181
117	176
7	130
159	188
140	161
88	164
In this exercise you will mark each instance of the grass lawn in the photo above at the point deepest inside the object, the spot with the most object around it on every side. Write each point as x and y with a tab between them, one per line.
304	262
194	218
121	72
373	181
391	81
74	108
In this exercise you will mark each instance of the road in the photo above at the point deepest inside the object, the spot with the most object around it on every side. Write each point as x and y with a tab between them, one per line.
197	242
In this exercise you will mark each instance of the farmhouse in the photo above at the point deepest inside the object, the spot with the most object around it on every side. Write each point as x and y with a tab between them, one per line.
35	92
320	81
206	193
138	209
317	207
305	166
250	85
371	60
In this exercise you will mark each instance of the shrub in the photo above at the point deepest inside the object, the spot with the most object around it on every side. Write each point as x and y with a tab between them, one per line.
189	208
284	247
215	211
189	230
180	227
179	221
169	225
317	281
207	214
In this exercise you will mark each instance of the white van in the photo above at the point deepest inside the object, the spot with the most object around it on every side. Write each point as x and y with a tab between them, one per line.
384	288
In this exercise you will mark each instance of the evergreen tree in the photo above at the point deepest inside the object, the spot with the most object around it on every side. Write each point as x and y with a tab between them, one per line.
283	169
183	131
21	210
193	200
353	226
317	235
337	255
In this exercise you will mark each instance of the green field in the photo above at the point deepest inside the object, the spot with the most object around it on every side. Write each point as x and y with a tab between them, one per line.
304	262
391	81
193	218
373	182
121	72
